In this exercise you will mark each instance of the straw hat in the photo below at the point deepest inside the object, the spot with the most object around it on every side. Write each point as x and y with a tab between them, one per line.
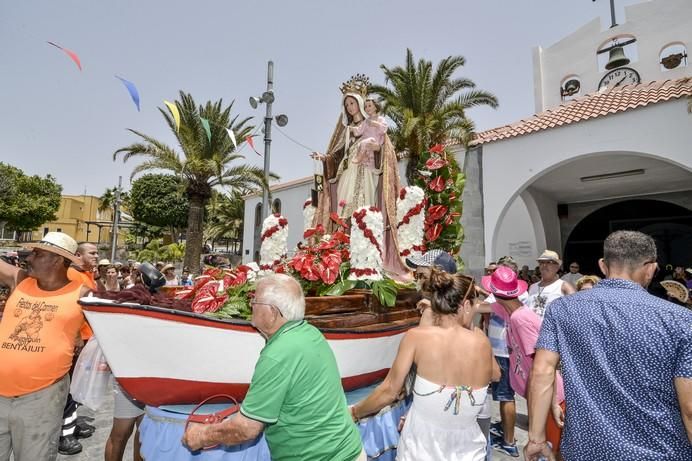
104	262
549	255
676	290
58	243
166	267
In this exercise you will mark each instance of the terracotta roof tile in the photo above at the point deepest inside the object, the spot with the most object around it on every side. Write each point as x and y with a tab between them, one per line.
618	99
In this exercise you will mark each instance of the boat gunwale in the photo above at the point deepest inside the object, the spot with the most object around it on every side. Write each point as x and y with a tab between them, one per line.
102	305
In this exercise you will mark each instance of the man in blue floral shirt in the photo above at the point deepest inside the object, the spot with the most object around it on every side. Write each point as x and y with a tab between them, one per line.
626	361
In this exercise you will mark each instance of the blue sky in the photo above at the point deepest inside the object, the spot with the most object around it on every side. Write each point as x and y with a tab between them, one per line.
68	123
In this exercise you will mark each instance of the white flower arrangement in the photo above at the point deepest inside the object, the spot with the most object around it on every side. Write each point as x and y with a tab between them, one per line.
367	228
274	241
410	216
308	214
254	270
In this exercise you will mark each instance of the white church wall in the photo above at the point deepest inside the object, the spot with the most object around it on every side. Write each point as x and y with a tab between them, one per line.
661	130
516	236
654	24
292	199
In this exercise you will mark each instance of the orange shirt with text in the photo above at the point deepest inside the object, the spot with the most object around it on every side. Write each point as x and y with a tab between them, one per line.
86	278
38	333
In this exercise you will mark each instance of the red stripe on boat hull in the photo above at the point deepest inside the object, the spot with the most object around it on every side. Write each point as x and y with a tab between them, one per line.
168	391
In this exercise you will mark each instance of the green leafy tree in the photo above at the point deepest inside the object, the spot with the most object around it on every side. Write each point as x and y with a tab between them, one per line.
159	200
206	160
140	233
27	201
173	252
428	106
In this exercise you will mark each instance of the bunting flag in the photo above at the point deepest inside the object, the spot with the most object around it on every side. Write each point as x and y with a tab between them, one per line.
174	112
132	89
252	144
232	136
70	53
205	124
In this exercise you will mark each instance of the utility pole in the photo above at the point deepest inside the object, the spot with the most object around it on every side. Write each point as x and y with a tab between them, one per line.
268	136
267	98
116	219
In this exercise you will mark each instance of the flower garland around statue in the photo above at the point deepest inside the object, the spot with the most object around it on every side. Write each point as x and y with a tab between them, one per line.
410	214
308	214
366	244
274	242
440	177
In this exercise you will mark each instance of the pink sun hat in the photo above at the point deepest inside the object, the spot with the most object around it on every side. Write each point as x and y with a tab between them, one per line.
504	283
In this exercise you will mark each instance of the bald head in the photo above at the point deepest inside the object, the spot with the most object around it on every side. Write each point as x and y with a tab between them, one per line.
88	254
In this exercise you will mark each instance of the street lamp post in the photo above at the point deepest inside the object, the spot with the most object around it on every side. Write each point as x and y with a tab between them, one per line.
116	220
268	98
267	135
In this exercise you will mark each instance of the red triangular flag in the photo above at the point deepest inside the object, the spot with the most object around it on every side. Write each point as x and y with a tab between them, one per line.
252	144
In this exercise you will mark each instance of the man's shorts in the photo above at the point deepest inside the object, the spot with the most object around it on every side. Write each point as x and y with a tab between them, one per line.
124	407
502	391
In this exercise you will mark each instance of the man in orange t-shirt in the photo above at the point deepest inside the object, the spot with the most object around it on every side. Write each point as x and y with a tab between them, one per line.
38	334
74	428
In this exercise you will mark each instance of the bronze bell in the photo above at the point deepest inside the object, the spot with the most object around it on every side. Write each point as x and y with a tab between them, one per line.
616	58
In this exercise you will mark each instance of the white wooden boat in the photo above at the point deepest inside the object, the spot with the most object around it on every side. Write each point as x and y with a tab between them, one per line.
164	356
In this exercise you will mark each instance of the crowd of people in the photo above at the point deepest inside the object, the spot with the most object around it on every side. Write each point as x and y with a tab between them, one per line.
606	367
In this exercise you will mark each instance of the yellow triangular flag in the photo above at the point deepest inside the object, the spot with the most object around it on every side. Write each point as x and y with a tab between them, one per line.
174	111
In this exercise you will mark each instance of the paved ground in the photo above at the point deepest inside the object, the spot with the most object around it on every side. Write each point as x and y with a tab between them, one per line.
94	446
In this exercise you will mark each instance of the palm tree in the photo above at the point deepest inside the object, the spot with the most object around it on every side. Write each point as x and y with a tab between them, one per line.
107	200
429	106
226	213
207	160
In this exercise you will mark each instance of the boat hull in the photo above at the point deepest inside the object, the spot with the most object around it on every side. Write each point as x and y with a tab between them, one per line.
161	356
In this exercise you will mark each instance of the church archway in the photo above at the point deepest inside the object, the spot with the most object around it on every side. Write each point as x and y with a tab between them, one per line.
669	224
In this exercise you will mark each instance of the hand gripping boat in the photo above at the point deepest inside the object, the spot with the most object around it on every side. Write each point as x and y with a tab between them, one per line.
164	357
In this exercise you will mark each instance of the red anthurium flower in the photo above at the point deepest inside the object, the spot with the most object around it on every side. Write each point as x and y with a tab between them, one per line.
437	149
436	212
332	260
309	233
327	244
435	163
433	232
184	294
335	217
319	229
329	275
341	237
437	184
201	281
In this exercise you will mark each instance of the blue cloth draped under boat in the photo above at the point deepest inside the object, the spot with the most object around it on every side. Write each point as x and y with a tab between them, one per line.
162	429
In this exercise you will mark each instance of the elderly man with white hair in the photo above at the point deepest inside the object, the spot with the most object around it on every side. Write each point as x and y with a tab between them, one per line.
295	395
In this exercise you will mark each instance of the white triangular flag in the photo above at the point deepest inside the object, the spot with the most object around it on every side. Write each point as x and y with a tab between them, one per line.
232	136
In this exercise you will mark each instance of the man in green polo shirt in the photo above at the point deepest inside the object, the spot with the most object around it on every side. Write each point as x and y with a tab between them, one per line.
295	396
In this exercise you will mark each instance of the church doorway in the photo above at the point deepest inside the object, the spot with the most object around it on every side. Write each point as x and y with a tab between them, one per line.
669	224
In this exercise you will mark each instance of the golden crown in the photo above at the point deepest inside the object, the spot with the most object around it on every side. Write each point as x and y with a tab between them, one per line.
358	84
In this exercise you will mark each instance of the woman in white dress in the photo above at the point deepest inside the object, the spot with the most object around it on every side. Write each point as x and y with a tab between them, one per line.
453	368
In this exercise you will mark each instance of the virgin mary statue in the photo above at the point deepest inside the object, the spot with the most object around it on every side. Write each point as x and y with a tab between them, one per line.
350	182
